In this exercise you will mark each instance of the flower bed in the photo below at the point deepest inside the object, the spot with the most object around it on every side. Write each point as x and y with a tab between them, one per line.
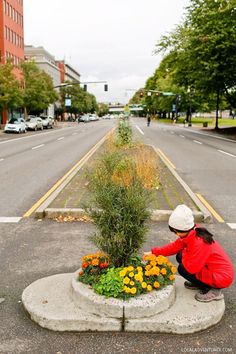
138	278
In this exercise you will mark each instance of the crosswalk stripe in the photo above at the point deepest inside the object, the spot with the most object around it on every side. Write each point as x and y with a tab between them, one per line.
9	219
232	225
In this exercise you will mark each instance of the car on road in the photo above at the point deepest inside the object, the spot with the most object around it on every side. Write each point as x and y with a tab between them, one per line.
34	123
15	125
47	122
93	117
84	118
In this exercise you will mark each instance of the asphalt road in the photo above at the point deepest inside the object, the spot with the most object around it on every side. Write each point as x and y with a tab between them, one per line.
32	249
30	164
207	163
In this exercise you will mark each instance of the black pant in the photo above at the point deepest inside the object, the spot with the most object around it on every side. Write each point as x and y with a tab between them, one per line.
188	276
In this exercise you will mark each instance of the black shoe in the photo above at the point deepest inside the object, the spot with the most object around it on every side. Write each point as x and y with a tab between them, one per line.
190	286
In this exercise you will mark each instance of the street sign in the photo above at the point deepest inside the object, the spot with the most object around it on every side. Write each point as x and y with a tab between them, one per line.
173	107
68	102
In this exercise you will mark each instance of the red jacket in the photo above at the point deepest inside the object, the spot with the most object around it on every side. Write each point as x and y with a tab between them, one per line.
208	262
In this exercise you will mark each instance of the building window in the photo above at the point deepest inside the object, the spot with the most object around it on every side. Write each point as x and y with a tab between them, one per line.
5	6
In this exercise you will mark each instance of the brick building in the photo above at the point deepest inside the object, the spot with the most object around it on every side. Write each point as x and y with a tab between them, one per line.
11	35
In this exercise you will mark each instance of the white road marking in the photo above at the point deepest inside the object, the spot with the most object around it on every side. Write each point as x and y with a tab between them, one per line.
74	134
232	225
61	138
1	160
139	130
182	136
226	153
172	132
197	142
8	219
37	147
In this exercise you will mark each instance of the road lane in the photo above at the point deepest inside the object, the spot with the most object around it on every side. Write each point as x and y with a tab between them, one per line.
205	169
27	174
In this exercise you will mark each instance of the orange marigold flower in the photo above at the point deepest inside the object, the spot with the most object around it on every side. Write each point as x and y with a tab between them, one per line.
148	266
153	263
85	265
173	269
172	277
95	262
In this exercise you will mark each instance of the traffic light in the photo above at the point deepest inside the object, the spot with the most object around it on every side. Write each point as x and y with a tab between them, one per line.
141	94
105	87
85	87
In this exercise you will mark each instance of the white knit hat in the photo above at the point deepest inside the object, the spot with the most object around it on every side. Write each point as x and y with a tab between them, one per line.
182	218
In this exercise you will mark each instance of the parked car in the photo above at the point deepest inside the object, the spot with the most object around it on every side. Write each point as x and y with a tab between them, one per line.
47	122
93	117
84	118
15	125
34	123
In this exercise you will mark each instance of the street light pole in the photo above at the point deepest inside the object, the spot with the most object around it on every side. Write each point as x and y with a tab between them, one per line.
190	107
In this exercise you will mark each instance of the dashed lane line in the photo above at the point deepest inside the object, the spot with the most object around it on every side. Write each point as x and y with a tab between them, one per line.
182	136
140	130
1	160
62	137
38	146
10	219
226	153
197	142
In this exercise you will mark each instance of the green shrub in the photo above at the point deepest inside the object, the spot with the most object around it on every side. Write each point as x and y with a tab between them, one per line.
124	136
119	211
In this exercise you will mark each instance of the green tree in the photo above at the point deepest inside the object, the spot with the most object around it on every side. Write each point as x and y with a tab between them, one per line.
10	90
39	92
102	109
81	101
205	49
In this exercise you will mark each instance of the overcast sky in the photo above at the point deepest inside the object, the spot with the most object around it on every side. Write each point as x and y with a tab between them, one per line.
105	40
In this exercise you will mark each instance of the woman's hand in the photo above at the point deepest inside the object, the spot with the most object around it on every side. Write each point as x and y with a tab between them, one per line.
146	254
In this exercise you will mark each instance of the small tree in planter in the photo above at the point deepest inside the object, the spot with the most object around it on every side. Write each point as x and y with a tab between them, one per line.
119	208
121	191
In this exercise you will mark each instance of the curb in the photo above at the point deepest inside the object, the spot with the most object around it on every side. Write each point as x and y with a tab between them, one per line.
203	215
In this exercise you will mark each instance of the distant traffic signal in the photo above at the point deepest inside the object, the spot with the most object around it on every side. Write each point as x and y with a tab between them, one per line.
105	87
141	94
85	87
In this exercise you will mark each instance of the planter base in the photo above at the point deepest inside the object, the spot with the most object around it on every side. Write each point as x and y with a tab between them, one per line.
49	303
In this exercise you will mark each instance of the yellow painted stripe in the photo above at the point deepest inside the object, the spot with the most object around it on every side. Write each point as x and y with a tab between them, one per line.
166	158
209	207
59	182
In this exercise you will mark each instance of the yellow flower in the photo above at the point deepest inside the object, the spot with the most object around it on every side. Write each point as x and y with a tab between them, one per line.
156	284
130	268
133	290
163	271
126	280
172	277
139	269
149	288
144	285
147	273
131	275
131	283
153	263
127	290
173	269
123	273
148	266
155	271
